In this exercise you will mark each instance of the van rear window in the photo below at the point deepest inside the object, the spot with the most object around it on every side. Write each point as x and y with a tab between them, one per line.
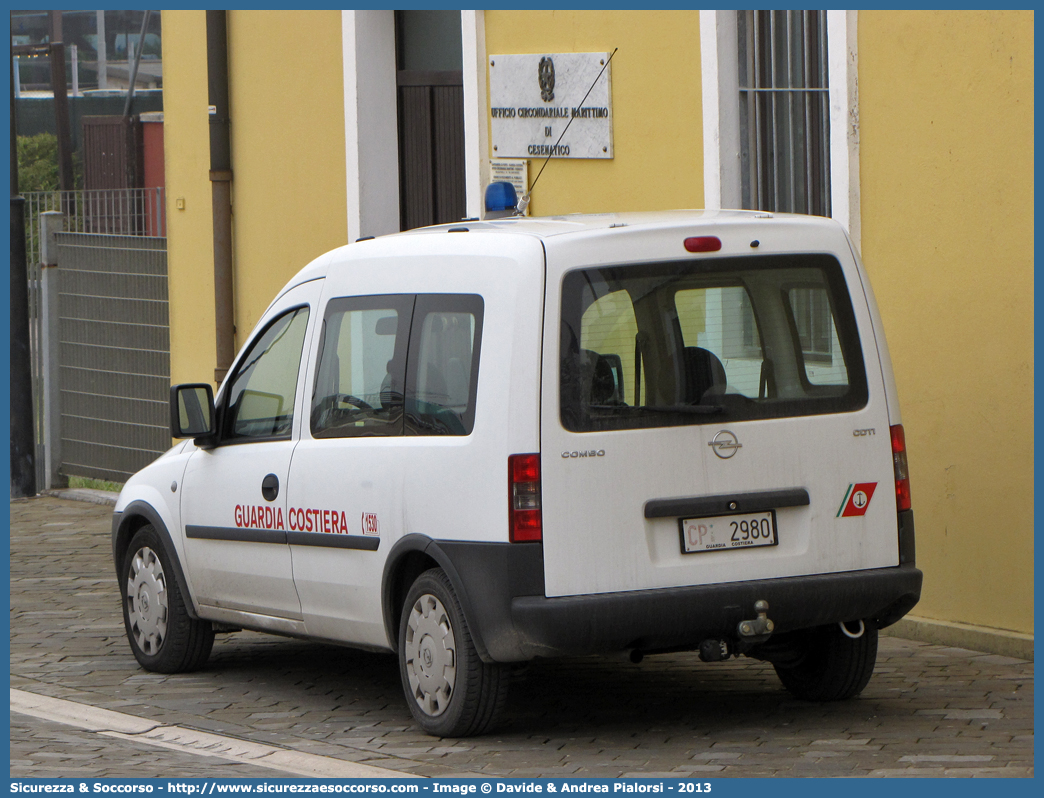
702	342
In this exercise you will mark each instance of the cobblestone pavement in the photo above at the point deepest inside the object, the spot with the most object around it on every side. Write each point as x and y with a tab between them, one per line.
928	711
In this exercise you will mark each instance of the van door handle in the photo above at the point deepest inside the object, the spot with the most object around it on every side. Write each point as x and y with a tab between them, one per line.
270	487
723	504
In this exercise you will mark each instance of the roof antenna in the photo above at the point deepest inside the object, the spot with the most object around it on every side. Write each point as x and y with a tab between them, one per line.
520	209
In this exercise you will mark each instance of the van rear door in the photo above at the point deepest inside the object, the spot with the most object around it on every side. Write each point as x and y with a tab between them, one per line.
711	418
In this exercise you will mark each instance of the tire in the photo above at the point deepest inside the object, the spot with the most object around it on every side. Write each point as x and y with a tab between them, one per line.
161	634
833	667
450	691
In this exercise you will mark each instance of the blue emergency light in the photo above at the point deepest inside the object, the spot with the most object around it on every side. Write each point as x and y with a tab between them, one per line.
501	199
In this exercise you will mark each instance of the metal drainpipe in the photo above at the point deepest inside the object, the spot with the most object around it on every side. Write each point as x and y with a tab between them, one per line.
221	189
23	443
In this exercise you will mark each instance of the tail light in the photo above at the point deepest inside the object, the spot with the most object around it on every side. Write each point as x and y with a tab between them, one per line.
902	469
524	497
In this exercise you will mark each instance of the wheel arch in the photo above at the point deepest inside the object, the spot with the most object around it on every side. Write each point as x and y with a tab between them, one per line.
127	523
409	558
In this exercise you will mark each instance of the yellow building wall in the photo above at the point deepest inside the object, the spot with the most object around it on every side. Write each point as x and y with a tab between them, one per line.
946	187
289	197
657	113
190	240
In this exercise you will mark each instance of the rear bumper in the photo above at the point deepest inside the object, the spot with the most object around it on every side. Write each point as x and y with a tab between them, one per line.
685	616
501	588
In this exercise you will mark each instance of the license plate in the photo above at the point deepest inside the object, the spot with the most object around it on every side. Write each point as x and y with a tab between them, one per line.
719	532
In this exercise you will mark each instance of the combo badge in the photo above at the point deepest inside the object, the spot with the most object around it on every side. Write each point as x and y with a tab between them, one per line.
857	499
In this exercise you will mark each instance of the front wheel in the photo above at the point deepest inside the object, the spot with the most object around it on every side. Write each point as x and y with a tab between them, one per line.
162	635
833	666
450	691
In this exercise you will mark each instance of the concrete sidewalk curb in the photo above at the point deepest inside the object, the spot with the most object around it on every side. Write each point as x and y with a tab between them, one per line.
82	716
178	738
963	635
84	495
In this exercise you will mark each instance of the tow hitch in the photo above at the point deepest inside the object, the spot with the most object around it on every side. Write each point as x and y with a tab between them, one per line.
749	634
758	630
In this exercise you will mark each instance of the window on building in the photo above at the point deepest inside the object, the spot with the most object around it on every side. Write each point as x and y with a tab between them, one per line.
784	118
784	113
430	78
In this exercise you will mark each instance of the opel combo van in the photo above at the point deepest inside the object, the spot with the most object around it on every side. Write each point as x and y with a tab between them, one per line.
479	444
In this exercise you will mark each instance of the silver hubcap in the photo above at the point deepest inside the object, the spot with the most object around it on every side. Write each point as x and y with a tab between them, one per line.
431	655
147	601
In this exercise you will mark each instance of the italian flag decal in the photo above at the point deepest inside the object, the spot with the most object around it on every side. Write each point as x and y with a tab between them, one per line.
857	499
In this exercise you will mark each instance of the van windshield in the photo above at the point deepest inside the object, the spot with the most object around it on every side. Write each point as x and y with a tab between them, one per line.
698	342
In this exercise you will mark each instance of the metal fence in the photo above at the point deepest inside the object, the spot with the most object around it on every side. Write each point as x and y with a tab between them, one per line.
134	212
114	356
120	211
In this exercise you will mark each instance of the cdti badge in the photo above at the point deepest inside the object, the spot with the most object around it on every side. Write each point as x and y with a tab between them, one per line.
857	499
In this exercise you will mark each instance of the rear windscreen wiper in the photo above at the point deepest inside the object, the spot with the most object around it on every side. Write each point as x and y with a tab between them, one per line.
699	410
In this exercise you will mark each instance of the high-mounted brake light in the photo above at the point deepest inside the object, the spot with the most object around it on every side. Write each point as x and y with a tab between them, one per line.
902	468
524	497
703	244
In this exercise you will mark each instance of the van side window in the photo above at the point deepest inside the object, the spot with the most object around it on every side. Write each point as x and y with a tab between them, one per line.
358	389
260	400
443	363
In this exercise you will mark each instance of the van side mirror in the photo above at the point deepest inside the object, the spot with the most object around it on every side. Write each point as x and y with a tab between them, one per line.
192	411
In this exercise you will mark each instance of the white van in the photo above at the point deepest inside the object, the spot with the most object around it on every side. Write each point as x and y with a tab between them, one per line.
483	443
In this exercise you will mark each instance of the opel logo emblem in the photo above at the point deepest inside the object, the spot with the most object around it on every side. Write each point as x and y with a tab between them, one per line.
725	444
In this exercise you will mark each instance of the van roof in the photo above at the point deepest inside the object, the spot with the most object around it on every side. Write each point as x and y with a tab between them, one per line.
563	227
548	226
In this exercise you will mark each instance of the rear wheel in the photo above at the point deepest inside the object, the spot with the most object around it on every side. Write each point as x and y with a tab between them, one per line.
450	691
162	635
832	666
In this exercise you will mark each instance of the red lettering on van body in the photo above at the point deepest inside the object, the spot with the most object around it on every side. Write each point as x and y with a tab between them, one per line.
331	522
